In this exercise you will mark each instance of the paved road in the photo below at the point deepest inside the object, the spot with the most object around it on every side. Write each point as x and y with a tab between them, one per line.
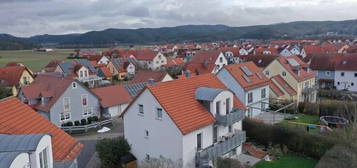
87	157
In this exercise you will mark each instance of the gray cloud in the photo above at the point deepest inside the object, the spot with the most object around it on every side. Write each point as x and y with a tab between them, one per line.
30	17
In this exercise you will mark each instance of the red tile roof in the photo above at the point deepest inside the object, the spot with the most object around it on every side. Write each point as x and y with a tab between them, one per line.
47	85
276	89
200	68
257	79
17	118
322	62
11	74
106	71
260	60
304	75
174	62
145	54
144	76
346	63
261	50
283	84
112	95
178	99
209	57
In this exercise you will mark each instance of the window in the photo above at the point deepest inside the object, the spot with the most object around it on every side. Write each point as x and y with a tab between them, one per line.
267	73
352	84
81	74
84	100
327	73
263	93
66	104
355	74
87	111
250	97
228	104
146	134
199	141
147	157
262	106
283	73
141	109
65	116
220	59
215	134
338	83
159	113
342	73
230	128
43	158
74	85
218	104
86	73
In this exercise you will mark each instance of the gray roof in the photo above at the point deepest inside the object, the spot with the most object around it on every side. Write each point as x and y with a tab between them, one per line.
117	61
65	66
207	94
19	143
87	64
135	88
6	158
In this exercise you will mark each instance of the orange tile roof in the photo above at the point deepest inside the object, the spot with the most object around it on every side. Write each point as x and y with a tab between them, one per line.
18	118
255	81
11	74
200	68
283	84
178	99
276	89
144	76
174	62
304	75
112	95
106	71
209	56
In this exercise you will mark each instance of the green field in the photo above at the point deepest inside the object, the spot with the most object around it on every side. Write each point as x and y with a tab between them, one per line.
288	161
34	60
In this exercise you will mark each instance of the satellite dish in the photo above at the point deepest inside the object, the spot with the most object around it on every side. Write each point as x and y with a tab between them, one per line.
103	130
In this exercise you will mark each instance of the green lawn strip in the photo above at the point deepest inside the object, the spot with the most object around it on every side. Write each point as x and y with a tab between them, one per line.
303	118
288	161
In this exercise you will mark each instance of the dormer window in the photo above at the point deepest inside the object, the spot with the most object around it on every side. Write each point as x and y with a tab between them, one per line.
74	85
218	107
283	73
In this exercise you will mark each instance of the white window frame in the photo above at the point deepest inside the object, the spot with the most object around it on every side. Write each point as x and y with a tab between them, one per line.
141	109
146	134
64	104
74	85
66	116
43	158
87	111
252	97
283	73
84	96
159	113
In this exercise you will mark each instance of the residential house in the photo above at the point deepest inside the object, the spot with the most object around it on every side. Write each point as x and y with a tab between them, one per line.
103	60
104	73
324	67
60	99
297	74
28	139
199	117
149	59
249	84
15	77
145	76
266	51
261	61
122	67
113	100
280	89
346	73
210	61
51	66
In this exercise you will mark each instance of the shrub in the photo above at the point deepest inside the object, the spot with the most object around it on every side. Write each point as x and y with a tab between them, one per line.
76	123
69	123
83	122
296	140
309	108
229	163
90	119
111	150
95	118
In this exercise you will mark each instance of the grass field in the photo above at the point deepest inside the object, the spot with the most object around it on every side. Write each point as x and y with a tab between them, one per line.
288	161
34	60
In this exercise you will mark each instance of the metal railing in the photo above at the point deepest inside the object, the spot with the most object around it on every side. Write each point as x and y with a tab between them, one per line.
221	148
234	116
86	128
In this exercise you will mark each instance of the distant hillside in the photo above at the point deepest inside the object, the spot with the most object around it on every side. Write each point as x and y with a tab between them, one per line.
9	42
198	33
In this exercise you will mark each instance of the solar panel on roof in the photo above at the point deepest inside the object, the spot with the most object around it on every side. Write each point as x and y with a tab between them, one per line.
246	78
293	62
246	70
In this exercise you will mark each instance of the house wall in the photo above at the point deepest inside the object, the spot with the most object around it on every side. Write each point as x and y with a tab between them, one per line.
28	77
21	160
167	78
157	62
220	64
131	69
116	110
165	139
44	143
325	76
348	81
257	99
285	53
103	60
76	107
112	69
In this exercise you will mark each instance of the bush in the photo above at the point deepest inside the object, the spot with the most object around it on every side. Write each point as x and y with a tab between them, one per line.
90	119
111	150
69	123
83	122
296	140
76	123
309	108
229	163
95	118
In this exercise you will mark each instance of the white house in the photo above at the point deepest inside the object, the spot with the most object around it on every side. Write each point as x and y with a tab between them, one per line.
210	61
31	150
249	84
188	121
149	59
346	73
103	60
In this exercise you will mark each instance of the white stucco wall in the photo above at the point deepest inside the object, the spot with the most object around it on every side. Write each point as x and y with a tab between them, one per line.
20	161
348	81
45	142
164	139
117	110
167	78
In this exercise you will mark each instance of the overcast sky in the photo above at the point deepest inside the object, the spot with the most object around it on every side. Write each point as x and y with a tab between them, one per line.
32	17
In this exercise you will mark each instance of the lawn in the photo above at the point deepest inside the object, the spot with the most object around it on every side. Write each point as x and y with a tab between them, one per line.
303	118
34	60
288	161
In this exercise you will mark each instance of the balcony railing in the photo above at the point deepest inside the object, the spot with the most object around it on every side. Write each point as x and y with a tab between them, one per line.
234	116
221	148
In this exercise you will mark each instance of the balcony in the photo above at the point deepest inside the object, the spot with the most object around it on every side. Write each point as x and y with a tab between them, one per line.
234	116
221	148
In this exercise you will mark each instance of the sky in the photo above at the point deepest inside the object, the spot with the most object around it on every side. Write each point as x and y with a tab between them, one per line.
33	17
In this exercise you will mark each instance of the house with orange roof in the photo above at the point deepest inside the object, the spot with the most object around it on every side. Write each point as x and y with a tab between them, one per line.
149	59
15	77
60	100
191	121
249	85
28	139
296	74
210	61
